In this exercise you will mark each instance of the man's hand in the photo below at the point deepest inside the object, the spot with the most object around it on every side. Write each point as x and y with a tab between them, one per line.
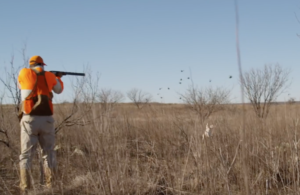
59	74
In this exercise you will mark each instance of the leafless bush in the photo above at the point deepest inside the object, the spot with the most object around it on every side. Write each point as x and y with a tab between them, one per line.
292	101
263	86
109	98
206	101
10	81
3	132
11	95
139	97
83	100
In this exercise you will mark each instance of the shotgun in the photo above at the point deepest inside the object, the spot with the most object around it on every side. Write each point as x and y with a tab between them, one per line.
67	73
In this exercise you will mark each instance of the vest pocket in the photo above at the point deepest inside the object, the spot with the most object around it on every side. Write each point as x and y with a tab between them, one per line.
27	106
41	106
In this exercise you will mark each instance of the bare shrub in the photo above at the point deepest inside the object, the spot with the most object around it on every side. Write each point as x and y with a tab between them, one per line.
206	101
263	86
4	139
84	98
109	98
291	101
10	81
12	96
139	97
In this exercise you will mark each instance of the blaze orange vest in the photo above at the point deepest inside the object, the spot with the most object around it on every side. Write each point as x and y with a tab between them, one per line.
39	101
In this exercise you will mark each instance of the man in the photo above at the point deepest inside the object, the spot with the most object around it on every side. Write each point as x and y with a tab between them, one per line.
37	123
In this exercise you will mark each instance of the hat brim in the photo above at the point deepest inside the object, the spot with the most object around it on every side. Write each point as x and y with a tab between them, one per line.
33	63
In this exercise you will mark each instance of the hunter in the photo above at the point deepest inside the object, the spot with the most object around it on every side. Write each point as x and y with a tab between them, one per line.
36	120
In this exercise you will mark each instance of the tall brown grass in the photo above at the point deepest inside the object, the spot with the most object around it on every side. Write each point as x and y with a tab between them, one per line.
159	150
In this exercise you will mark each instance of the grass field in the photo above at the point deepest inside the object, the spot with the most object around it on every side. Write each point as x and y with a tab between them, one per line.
159	150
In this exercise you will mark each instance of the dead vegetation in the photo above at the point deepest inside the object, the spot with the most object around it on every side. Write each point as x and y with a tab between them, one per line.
106	147
159	150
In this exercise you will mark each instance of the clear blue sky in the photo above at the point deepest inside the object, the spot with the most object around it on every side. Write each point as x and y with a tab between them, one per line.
146	44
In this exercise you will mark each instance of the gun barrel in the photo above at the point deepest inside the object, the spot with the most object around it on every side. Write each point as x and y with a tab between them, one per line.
73	73
68	73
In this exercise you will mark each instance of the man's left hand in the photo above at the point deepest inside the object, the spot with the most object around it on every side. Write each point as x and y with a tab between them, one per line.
59	74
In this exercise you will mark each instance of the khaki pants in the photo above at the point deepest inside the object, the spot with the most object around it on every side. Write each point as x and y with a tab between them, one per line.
34	130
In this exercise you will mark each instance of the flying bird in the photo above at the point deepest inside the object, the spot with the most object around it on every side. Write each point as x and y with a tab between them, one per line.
230	76
188	78
168	88
159	88
179	82
181	70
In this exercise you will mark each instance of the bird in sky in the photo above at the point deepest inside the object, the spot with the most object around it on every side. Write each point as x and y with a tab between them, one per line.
230	76
181	70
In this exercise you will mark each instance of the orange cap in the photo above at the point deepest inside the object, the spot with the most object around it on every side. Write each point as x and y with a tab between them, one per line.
36	60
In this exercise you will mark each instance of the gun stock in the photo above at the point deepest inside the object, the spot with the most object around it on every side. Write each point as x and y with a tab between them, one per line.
67	73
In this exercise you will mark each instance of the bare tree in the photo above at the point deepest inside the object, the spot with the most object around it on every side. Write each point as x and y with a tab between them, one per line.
139	97
109	98
263	86
206	101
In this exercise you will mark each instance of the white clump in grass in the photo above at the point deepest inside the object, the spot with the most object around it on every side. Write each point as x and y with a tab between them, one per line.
82	180
208	131
79	151
57	147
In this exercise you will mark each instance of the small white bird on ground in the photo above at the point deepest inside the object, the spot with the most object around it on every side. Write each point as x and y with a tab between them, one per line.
208	131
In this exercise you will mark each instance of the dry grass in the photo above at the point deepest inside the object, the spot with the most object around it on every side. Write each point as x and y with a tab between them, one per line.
159	150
